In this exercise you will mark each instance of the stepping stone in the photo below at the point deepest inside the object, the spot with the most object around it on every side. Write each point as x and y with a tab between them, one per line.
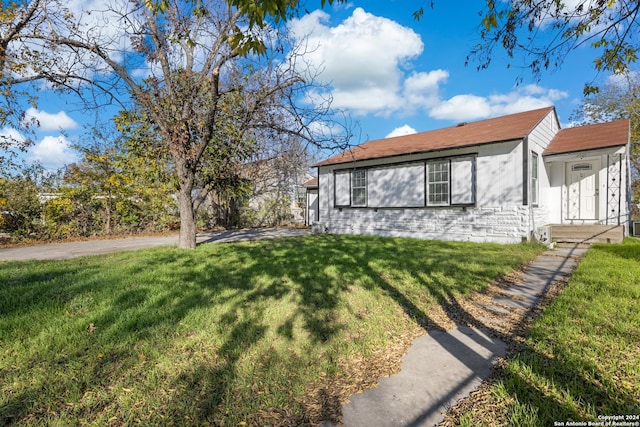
525	304
493	320
496	309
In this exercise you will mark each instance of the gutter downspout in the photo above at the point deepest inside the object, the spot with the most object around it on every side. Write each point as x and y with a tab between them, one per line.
525	185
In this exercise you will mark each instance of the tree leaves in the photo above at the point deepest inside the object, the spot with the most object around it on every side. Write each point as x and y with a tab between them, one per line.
543	33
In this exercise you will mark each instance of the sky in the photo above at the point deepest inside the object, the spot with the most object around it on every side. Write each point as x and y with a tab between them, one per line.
392	74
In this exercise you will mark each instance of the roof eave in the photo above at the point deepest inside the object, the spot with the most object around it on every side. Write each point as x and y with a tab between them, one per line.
413	153
559	153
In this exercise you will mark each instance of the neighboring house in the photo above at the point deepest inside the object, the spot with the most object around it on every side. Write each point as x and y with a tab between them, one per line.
277	192
498	180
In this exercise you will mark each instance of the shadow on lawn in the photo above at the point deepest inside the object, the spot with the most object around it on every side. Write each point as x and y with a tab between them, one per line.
133	311
581	385
314	272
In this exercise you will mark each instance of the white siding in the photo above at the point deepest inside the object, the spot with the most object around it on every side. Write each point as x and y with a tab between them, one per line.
396	186
548	207
312	206
543	133
498	224
553	197
498	214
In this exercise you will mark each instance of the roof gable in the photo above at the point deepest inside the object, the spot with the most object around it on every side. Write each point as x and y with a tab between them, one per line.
590	137
498	129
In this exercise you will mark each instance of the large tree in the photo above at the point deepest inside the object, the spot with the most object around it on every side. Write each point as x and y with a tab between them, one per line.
207	81
617	99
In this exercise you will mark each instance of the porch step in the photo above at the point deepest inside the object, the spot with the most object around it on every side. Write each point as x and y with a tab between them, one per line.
587	234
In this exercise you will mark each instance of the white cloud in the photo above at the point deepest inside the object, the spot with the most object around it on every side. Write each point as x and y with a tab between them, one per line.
622	80
462	107
11	137
421	90
362	58
401	131
367	61
50	122
473	107
53	152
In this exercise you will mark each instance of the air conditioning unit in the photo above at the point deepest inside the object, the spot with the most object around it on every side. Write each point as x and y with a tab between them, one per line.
318	227
635	228
544	234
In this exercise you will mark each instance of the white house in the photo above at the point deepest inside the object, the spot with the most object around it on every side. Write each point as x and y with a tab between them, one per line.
501	180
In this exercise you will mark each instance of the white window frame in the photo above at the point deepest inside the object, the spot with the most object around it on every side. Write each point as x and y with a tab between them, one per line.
436	181
535	181
359	188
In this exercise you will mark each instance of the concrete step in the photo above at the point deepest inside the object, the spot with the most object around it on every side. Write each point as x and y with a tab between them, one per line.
587	233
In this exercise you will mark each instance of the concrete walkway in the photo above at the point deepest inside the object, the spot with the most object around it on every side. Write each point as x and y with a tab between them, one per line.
68	250
444	367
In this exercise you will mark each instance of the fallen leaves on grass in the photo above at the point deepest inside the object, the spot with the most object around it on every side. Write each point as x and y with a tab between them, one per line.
325	398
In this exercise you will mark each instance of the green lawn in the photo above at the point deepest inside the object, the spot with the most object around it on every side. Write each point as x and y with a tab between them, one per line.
227	334
581	360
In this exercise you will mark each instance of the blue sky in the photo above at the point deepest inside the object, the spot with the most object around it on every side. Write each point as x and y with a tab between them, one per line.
392	74
419	72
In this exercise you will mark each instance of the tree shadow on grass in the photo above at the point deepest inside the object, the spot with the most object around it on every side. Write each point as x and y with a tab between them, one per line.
161	293
136	305
562	388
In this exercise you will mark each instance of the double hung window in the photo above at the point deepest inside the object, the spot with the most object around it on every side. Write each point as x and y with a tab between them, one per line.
438	183
359	187
534	179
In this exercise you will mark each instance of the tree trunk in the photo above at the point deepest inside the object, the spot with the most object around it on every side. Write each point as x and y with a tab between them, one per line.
187	221
186	179
107	215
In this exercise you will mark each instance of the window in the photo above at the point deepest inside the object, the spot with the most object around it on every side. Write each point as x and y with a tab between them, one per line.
359	187
438	183
582	167
534	178
301	197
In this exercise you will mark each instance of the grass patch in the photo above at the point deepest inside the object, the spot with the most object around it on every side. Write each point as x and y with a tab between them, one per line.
581	359
226	334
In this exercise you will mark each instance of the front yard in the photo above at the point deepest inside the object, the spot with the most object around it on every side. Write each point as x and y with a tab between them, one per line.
262	333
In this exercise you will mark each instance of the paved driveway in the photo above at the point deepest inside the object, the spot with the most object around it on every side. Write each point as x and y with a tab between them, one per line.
93	247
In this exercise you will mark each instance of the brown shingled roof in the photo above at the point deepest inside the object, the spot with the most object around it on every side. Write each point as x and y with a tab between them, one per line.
505	128
591	137
313	182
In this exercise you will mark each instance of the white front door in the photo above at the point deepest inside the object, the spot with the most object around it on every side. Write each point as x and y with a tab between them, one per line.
582	188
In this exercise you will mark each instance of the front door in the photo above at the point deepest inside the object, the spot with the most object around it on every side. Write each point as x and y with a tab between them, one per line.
582	188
